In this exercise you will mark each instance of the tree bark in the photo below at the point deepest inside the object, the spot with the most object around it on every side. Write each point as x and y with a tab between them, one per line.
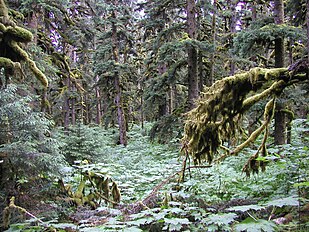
307	20
172	93
66	107
233	31
192	55
280	121
280	124
118	98
210	80
98	103
163	107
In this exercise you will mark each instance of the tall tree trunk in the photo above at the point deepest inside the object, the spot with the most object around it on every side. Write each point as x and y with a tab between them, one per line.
210	80
66	107
141	100
280	121
98	103
73	107
171	102
163	107
192	55
307	20
233	23
118	98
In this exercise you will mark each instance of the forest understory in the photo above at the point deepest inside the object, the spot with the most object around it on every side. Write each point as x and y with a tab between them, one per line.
217	197
137	115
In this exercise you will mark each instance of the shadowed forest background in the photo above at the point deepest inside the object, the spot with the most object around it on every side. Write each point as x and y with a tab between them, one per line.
125	115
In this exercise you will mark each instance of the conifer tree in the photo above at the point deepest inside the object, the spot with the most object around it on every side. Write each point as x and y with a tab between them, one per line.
114	54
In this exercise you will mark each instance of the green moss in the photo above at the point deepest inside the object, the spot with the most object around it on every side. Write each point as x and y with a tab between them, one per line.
19	34
38	74
24	55
6	63
2	28
16	15
216	118
274	73
20	52
13	36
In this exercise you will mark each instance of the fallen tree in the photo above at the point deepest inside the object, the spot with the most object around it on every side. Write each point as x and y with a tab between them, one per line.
219	111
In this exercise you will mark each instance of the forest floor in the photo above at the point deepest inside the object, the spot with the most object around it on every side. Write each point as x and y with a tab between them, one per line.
218	197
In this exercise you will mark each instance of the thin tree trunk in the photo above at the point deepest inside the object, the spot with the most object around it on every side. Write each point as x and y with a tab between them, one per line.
85	110
192	55
98	103
66	107
210	80
280	124
141	108
201	73
118	97
307	19
280	121
232	30
163	107
172	92
73	110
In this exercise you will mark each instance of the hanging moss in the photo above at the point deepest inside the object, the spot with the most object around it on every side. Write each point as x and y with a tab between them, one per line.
11	37
37	72
216	118
6	63
9	66
62	61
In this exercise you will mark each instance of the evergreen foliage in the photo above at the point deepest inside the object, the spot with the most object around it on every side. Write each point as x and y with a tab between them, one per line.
249	41
28	147
81	142
135	67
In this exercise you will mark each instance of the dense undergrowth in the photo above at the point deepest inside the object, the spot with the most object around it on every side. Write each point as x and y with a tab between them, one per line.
212	198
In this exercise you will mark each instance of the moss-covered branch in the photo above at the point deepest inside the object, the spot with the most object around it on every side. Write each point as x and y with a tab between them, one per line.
7	212
11	37
216	118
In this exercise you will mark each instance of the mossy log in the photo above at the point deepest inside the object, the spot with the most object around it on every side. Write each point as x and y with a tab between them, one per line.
11	39
217	116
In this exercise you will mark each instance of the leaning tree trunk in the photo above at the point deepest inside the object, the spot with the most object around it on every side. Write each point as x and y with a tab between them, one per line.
280	121
192	55
118	98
